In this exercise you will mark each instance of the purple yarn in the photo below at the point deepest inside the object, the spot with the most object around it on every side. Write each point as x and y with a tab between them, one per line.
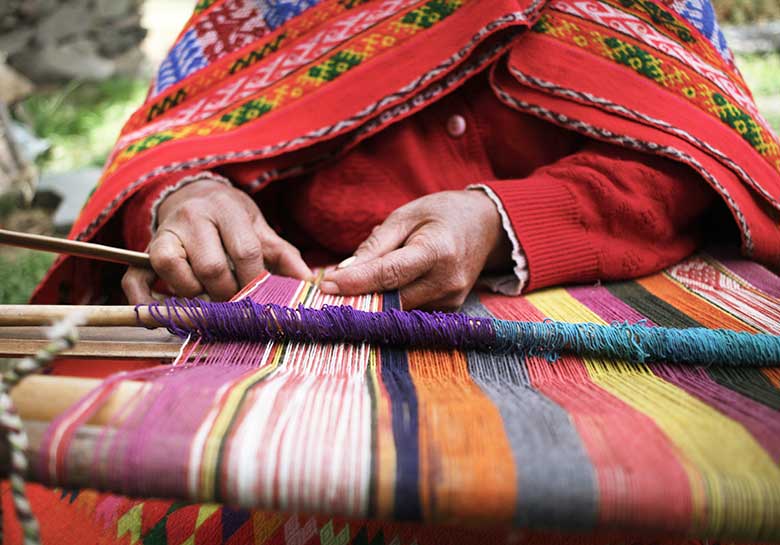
247	320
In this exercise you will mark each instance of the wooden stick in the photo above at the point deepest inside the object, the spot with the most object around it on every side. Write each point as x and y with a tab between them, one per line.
39	399
45	397
93	315
77	248
94	343
17	348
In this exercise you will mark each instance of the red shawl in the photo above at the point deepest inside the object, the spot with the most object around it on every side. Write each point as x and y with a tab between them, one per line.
291	89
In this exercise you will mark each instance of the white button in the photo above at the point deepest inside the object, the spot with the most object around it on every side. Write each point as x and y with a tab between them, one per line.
456	126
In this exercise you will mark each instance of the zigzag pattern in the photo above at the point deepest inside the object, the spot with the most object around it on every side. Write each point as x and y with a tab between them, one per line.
166	104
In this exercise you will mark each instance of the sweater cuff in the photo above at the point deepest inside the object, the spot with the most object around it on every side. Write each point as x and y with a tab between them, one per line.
506	284
140	215
163	192
546	222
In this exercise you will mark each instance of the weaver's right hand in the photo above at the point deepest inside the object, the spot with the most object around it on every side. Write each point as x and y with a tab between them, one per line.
203	227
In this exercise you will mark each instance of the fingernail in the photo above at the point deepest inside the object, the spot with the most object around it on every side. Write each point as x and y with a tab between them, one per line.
346	263
326	286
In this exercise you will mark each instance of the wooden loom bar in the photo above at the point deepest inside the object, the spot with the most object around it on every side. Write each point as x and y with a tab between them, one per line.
76	248
95	342
93	315
15	348
40	398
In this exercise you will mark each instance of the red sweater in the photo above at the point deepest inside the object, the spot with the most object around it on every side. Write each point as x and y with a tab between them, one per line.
580	210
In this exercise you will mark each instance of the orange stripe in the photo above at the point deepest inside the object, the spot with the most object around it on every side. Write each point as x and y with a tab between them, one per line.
773	375
698	308
466	464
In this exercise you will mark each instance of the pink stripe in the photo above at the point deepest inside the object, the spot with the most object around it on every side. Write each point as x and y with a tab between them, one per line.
621	442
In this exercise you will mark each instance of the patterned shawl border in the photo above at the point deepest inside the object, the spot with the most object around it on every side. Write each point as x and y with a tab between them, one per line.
681	25
723	77
212	117
190	87
617	109
626	141
768	151
414	88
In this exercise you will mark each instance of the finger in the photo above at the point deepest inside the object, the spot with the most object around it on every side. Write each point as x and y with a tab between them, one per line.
169	260
425	294
392	271
209	262
285	259
384	238
137	285
242	245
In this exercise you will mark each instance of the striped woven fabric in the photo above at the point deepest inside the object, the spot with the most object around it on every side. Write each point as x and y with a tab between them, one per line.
443	436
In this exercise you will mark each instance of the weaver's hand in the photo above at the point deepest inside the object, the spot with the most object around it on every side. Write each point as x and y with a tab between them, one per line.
432	249
202	228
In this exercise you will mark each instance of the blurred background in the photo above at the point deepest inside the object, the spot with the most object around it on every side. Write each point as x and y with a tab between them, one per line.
71	72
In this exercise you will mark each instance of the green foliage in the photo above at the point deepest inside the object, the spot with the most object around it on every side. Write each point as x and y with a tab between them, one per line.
82	119
762	73
21	270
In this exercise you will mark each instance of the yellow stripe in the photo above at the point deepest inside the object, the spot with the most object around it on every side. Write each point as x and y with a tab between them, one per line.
735	483
232	403
222	422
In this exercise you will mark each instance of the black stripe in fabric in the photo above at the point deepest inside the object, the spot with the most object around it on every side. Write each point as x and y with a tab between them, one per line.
403	402
750	382
651	307
556	481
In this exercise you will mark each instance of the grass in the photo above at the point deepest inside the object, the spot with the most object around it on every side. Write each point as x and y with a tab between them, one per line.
21	270
762	73
81	120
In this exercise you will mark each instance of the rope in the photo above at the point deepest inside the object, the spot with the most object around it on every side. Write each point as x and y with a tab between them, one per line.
246	320
63	336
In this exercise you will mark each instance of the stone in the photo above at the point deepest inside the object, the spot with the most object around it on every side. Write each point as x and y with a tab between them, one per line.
79	184
757	38
13	42
75	60
112	8
35	9
13	85
132	63
70	19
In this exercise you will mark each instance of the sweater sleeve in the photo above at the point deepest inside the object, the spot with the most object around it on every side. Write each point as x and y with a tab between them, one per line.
139	221
603	213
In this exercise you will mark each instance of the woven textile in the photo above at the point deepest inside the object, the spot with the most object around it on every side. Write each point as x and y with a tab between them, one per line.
472	437
288	85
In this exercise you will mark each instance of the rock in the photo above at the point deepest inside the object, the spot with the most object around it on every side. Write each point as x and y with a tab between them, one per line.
75	60
132	63
112	8
70	19
47	200
49	40
17	175
757	38
13	85
120	37
74	187
12	42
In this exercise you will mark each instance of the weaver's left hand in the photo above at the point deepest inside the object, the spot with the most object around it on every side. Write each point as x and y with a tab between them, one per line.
432	249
